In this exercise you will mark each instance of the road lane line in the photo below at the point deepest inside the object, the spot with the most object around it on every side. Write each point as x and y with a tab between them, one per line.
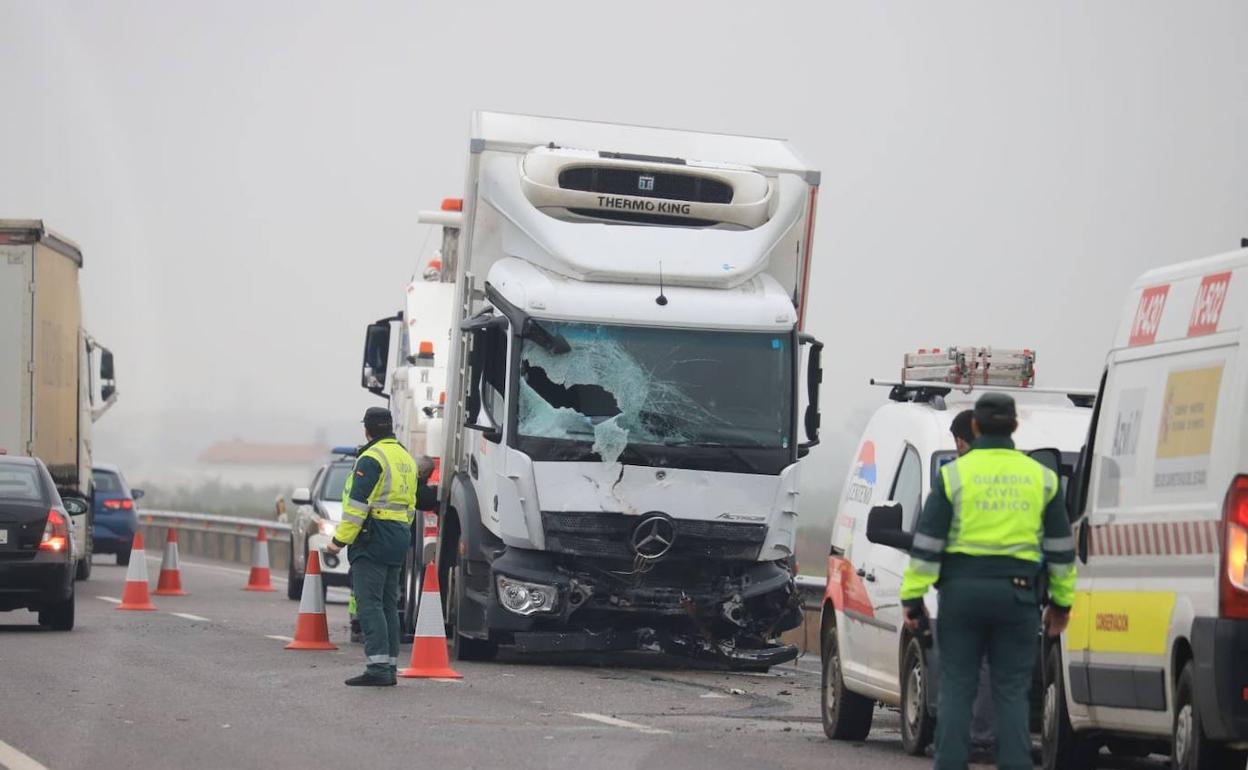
614	722
279	638
109	599
189	616
16	760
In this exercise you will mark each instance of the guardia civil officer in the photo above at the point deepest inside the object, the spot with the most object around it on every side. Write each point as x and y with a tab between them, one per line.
378	506
992	515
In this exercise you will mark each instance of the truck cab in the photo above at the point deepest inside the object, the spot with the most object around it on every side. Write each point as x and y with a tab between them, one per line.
623	413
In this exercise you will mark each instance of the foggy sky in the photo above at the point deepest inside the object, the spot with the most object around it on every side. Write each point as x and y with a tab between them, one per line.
244	176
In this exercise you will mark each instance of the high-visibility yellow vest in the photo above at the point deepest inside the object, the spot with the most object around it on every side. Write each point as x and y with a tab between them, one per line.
394	497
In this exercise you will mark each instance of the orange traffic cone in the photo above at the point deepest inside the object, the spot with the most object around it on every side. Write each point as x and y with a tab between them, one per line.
260	579
134	596
170	581
312	627
429	658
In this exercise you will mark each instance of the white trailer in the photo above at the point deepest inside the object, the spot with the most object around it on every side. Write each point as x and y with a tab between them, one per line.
622	428
55	380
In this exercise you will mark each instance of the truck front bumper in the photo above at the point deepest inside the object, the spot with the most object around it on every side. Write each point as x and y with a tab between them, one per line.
1220	652
725	611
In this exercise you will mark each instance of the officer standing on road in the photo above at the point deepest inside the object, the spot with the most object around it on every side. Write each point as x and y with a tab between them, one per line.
982	732
991	516
378	505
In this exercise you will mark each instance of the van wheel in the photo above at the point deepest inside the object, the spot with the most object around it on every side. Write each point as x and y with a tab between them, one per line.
294	580
59	616
1192	750
846	715
1061	747
917	724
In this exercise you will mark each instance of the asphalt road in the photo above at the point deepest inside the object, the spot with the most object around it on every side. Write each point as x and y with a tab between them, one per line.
212	687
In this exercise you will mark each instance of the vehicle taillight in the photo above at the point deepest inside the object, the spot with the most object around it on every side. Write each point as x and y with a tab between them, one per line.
55	533
1233	583
116	505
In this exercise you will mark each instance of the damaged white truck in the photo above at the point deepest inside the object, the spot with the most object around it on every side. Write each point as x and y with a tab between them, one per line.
622	423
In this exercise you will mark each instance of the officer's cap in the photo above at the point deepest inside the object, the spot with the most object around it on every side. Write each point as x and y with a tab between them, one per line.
995	410
377	417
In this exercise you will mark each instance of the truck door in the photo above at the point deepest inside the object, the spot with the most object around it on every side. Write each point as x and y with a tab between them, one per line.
887	566
486	414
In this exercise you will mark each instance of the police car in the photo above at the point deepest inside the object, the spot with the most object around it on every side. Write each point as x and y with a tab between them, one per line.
317	513
1156	655
867	654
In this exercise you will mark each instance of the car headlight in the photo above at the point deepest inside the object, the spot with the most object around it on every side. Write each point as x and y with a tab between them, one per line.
328	528
526	598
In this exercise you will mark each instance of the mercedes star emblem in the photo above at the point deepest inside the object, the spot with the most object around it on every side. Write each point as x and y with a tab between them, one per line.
653	537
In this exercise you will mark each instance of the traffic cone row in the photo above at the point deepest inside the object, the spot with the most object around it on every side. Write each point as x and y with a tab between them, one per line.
429	656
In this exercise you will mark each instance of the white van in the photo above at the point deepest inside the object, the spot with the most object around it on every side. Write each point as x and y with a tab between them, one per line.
867	654
1156	656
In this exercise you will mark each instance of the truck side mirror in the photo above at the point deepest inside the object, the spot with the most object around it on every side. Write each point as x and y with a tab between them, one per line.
376	356
106	366
814	377
884	527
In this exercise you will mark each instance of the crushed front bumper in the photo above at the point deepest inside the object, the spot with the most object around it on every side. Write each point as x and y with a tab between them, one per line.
718	611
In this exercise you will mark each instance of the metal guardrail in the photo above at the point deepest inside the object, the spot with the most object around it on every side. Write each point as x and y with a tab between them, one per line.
209	522
812	589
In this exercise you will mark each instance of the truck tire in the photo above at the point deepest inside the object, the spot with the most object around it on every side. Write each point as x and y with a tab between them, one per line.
1061	748
462	647
846	715
413	579
83	570
1192	750
917	723
123	556
294	580
59	616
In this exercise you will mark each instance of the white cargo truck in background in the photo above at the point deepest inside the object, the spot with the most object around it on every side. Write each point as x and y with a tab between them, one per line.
55	380
622	449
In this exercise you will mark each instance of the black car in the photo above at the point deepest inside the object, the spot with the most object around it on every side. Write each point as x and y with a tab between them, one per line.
36	543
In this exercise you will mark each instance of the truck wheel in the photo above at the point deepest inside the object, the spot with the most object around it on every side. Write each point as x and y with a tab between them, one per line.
412	584
917	724
59	616
294	580
846	715
123	556
1192	750
83	571
462	647
1061	747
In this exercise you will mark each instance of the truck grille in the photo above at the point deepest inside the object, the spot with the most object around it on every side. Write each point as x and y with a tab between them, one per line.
606	535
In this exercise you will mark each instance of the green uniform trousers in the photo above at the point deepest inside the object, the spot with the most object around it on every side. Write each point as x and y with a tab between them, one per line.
992	617
376	589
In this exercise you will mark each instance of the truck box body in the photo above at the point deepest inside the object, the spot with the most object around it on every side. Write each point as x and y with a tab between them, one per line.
43	351
620	466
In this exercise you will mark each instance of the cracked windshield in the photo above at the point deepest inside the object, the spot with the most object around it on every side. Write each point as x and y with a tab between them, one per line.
623	386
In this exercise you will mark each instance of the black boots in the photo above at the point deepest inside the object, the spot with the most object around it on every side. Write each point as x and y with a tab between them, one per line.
368	679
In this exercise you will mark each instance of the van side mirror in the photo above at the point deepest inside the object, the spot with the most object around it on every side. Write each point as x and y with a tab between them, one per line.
1075	494
377	356
814	377
1049	458
884	527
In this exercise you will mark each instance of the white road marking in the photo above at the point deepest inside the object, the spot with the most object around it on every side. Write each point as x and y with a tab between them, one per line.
614	722
713	695
109	599
189	616
279	638
16	760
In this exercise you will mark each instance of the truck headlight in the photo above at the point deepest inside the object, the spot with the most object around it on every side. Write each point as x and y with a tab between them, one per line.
328	528
526	598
